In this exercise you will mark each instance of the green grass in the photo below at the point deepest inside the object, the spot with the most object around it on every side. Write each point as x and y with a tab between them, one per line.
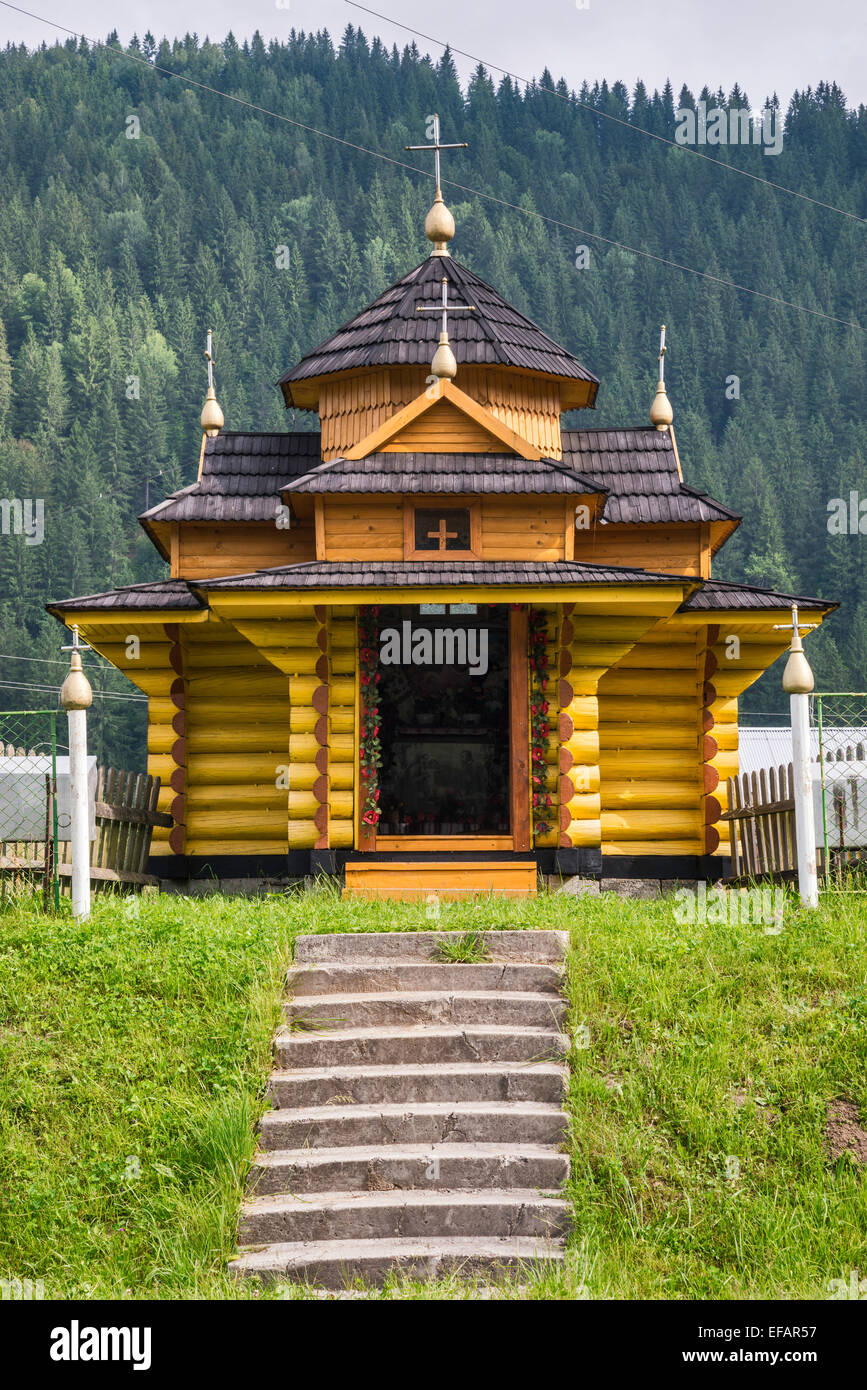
134	1052
468	948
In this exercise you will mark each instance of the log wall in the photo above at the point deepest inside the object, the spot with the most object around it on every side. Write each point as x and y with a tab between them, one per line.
236	746
589	646
651	747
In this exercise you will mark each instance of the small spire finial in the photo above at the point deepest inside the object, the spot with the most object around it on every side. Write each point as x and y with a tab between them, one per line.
212	415
439	225
444	364
798	676
76	692
661	413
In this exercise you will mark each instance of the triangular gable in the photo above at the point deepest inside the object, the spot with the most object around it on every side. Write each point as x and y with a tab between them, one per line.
443	420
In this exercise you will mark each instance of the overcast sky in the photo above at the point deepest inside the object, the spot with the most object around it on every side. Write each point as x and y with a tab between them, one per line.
765	45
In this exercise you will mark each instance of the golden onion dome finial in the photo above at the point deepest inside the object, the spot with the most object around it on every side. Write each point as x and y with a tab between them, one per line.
439	225
212	416
661	413
444	364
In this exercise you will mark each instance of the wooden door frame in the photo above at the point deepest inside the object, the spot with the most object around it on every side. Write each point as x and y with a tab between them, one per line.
368	840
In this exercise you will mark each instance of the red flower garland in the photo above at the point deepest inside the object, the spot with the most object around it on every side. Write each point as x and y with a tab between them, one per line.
370	748
540	727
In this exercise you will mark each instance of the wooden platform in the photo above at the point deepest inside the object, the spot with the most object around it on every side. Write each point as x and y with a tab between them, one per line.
449	879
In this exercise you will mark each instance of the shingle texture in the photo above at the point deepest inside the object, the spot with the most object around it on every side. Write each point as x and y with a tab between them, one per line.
639	467
719	593
396	573
244	474
390	331
443	473
165	593
241	477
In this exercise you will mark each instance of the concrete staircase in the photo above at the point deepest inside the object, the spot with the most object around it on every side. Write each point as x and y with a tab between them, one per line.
417	1120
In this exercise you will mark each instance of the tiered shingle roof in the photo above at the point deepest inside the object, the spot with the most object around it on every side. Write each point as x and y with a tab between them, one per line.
639	469
391	332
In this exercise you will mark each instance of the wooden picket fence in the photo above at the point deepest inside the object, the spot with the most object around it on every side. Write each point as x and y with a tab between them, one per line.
761	817
126	813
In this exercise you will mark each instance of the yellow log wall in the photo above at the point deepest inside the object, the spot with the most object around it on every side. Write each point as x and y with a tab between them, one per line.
590	644
651	747
237	745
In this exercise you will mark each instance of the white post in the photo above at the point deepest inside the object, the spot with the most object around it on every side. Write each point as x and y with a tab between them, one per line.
798	683
76	698
805	821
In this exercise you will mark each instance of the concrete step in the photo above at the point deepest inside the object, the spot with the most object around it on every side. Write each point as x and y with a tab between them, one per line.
429	1167
396	1046
432	1122
377	977
414	1082
331	1263
384	1215
434	1006
531	946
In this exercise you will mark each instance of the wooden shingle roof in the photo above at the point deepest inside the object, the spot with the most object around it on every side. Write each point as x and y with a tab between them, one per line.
167	594
443	473
160	593
390	332
720	594
342	574
241	477
639	469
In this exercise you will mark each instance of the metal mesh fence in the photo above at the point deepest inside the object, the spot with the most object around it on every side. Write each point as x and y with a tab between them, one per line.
29	804
840	721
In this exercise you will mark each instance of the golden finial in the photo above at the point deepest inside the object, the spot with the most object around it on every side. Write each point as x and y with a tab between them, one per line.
661	413
444	365
439	225
798	676
212	415
75	693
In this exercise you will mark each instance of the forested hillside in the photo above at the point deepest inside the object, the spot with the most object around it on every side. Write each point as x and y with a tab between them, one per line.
117	253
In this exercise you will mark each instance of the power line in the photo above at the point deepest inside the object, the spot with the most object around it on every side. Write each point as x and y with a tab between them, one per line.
44	660
607	115
450	183
54	690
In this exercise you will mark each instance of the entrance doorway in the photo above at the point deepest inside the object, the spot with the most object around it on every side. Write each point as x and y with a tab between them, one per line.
444	721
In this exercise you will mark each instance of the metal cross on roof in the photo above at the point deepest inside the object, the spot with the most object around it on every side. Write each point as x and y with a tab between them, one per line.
445	308
209	357
434	123
444	364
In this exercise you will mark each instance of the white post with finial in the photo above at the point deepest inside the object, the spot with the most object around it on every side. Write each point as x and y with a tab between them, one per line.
798	685
76	697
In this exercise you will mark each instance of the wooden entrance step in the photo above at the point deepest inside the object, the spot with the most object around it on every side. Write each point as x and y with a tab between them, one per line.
449	879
